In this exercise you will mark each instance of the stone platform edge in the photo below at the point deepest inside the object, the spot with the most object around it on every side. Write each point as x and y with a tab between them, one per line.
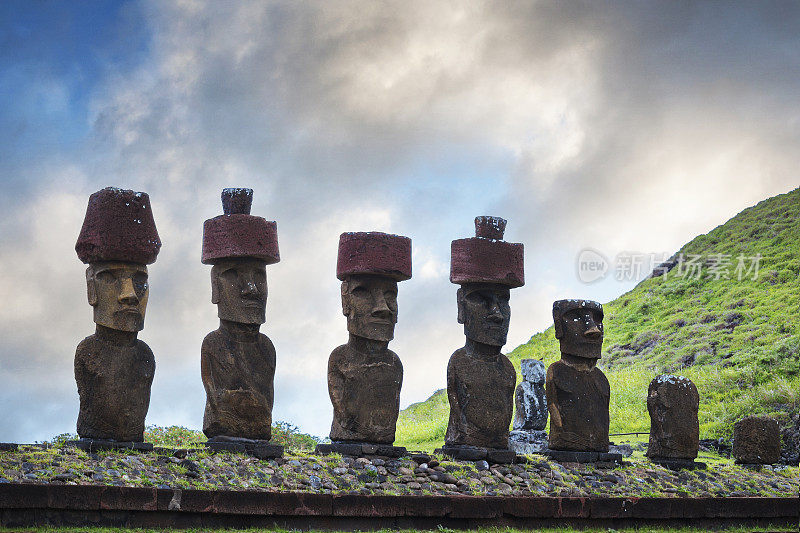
90	499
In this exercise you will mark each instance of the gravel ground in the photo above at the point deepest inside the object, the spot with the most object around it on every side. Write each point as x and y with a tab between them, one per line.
424	474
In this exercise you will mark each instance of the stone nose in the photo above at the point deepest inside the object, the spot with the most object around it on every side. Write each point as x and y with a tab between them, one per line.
127	294
381	308
593	332
495	314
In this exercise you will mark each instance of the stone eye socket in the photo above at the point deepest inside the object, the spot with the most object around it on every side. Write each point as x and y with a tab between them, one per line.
105	277
140	281
360	291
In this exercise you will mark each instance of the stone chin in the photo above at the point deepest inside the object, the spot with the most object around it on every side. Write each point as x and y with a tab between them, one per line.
242	314
584	350
374	331
491	336
120	320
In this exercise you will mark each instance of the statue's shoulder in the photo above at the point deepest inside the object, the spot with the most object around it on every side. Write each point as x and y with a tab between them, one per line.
266	343
339	354
87	344
395	359
143	350
459	356
214	337
508	368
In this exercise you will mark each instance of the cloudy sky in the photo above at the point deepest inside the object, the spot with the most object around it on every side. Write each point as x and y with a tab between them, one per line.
623	127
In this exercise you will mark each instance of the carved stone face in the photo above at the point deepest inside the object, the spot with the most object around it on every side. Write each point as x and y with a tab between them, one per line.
118	292
239	288
484	310
580	330
370	305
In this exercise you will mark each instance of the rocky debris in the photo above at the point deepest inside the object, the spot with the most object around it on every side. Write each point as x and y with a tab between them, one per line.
790	435
201	469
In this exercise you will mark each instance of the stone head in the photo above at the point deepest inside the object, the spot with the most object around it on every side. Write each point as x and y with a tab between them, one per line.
370	304
239	289
484	310
579	327
118	291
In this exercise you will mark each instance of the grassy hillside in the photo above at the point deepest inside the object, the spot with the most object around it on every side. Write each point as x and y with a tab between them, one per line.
738	340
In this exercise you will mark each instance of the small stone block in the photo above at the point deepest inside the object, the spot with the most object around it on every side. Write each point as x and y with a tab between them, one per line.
563	456
94	445
260	449
476	453
360	449
8	446
679	464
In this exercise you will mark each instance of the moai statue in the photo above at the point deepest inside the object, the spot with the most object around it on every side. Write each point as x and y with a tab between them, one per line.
237	361
364	375
673	403
113	369
577	391
480	379
530	406
756	440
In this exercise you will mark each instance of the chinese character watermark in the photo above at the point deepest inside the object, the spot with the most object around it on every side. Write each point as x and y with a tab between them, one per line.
593	266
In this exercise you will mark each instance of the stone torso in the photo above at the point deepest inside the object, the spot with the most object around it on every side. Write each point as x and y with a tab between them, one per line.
578	404
365	392
114	388
238	377
481	400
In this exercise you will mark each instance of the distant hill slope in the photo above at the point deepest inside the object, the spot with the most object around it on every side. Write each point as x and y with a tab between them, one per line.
738	340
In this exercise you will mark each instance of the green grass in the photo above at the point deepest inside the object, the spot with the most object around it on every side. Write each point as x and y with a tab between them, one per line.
738	340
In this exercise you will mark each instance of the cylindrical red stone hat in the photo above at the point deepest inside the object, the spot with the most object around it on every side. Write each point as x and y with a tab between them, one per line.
118	226
237	233
487	258
374	252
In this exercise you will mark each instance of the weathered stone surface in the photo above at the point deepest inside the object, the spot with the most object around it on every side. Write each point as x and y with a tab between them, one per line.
237	361
564	456
477	453
364	389
113	369
577	391
479	390
360	449
673	403
96	445
529	399
238	369
486	258
260	449
376	253
237	233
756	440
527	441
114	372
119	226
480	379
364	376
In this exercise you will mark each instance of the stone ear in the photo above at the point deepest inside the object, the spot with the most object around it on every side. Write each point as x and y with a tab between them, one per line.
460	304
557	322
91	290
345	299
214	285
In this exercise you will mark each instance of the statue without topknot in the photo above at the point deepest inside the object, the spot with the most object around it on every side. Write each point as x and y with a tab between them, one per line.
237	361
577	391
113	369
480	379
364	375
